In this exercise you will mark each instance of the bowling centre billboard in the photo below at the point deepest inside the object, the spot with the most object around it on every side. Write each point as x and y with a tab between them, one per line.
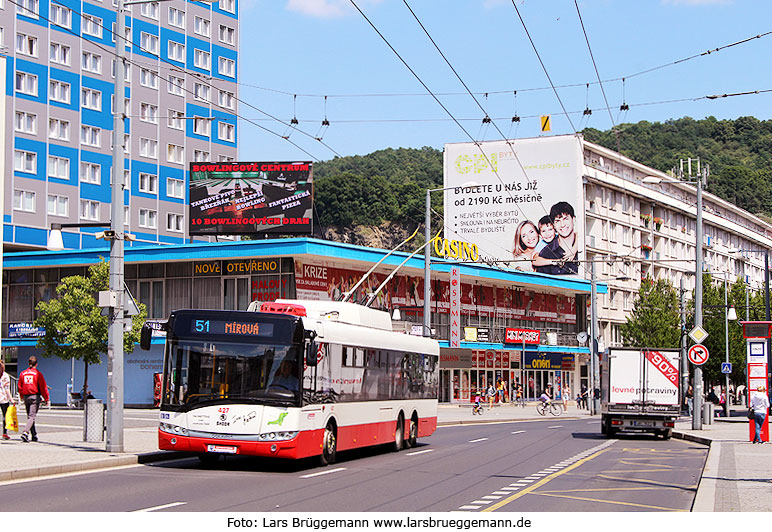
251	198
519	202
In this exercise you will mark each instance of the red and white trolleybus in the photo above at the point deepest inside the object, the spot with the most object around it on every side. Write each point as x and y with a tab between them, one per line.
294	379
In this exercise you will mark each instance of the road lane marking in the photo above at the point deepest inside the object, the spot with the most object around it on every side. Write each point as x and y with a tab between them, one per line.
555	427
161	507
500	493
481	502
492	497
518	432
601	449
649	481
320	473
509	488
469	507
419	452
477	440
622	503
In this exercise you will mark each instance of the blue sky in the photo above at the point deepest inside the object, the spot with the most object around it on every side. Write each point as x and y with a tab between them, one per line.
317	48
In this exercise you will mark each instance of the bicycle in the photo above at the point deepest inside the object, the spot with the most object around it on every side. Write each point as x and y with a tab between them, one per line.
477	409
543	408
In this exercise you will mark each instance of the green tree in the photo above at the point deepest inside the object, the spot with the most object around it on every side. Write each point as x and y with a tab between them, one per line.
74	325
714	321
654	320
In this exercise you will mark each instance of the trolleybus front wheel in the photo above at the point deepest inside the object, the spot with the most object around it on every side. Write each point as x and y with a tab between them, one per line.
329	444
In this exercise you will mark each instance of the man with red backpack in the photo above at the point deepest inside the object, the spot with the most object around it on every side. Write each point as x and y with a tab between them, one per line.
32	386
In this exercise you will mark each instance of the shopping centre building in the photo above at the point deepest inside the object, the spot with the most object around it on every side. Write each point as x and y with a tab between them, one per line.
541	313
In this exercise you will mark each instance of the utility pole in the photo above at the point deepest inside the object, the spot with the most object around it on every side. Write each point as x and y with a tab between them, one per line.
115	319
697	414
594	369
684	361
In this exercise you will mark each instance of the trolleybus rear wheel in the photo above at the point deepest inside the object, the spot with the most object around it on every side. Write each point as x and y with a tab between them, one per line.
399	434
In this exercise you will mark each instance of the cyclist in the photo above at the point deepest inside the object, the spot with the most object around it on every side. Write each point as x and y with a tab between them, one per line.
477	408
545	398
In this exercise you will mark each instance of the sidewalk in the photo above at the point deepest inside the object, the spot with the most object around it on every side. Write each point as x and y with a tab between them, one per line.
737	474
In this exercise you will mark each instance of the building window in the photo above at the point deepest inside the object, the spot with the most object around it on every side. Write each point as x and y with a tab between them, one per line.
23	200
60	54
175	153
174	120
227	35
89	210
26	83
25	122
147	218
58	167
201	92
148	183
58	205
58	129
92	26
149	10
174	222
91	99
26	45
176	18
90	173
28	8
201	156
176	51
202	126
91	62
228	5
126	213
226	99
91	136
226	131
201	26
201	59
126	71
176	85
59	91
148	78
148	113
226	67
60	15
25	161
148	148
148	42
175	188
225	158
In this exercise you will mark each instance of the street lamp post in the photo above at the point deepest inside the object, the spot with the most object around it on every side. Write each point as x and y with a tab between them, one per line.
594	370
729	314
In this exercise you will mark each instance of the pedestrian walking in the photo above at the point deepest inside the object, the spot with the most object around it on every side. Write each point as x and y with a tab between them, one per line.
690	400
759	405
491	393
566	396
6	399
34	392
500	391
741	394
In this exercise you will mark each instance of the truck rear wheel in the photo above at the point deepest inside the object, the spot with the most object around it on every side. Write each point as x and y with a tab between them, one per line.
666	434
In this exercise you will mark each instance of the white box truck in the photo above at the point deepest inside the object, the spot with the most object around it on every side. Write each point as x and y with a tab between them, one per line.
640	390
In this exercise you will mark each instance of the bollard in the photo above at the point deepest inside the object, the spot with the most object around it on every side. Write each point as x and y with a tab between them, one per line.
707	413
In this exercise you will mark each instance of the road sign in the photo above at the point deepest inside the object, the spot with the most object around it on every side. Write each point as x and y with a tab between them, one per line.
698	354
545	123
698	334
726	367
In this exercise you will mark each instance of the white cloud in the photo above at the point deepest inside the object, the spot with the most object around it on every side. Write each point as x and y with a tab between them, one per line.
326	8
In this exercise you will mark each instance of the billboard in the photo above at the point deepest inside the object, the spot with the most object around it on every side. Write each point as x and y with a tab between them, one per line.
251	197
518	201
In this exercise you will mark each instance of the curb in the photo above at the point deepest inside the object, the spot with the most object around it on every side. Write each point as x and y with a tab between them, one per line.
113	461
691	437
704	499
521	420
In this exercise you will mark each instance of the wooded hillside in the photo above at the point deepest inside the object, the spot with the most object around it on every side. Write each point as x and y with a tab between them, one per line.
385	190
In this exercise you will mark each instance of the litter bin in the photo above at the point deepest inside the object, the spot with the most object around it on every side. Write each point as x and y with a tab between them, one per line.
707	413
94	420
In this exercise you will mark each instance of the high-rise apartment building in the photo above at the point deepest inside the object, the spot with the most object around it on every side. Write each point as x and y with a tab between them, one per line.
181	107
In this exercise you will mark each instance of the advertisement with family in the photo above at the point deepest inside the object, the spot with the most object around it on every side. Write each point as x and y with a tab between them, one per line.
519	201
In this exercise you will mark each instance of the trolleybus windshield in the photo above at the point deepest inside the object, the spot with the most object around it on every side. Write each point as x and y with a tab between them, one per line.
222	358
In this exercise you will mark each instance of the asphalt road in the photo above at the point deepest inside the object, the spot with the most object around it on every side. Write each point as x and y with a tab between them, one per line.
554	465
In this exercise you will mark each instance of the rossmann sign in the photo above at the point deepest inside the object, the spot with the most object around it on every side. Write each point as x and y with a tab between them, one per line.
520	336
